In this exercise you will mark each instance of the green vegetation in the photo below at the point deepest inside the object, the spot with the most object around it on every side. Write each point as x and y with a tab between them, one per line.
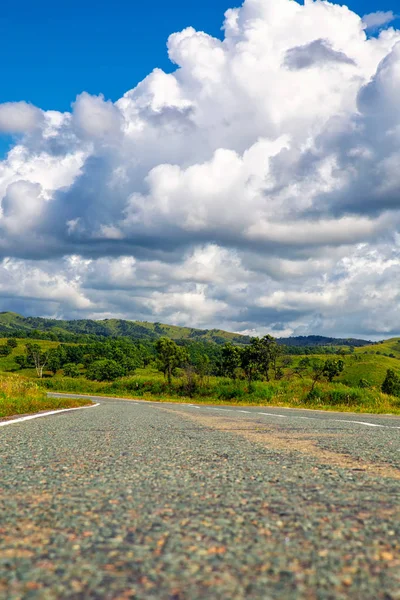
217	390
391	384
169	357
87	329
345	376
20	396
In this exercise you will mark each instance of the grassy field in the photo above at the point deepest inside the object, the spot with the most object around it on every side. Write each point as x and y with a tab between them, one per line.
8	364
391	346
345	394
369	367
20	396
292	393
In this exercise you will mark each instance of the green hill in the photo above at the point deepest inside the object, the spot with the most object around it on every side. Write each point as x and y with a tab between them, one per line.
77	330
389	348
370	367
12	322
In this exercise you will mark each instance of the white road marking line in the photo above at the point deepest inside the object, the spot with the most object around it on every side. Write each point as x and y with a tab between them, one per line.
273	415
357	422
141	402
46	414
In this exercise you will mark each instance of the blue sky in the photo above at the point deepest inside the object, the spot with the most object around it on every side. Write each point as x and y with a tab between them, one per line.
56	50
52	51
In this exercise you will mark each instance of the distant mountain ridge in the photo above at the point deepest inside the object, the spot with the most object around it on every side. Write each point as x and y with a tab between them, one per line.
136	330
12	323
320	340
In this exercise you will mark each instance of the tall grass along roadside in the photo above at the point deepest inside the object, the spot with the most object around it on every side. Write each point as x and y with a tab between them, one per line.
20	396
289	393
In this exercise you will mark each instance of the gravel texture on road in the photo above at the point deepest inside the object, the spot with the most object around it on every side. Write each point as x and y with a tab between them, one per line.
146	500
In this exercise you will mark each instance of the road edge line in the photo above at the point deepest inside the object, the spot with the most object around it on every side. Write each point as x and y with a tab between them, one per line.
46	414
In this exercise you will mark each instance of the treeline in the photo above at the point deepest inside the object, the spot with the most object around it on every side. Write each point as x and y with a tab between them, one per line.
310	350
107	360
261	360
102	361
320	340
53	336
12	324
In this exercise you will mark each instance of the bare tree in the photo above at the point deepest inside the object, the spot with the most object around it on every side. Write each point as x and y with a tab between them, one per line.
38	357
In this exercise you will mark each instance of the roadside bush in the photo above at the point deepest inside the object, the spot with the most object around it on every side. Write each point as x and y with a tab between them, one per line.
391	384
315	395
352	396
286	392
230	390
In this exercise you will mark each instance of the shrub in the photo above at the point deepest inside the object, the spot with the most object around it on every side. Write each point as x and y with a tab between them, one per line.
391	384
364	384
314	395
104	370
230	390
71	370
352	396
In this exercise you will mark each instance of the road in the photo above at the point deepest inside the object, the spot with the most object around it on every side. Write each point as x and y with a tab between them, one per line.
146	500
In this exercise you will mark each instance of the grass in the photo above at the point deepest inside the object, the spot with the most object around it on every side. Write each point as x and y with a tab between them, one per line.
8	364
391	346
365	365
20	396
285	393
344	395
370	367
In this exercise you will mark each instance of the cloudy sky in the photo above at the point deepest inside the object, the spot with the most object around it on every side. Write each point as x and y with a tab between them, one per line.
253	186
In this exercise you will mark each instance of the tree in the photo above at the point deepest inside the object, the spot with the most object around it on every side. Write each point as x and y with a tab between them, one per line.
391	384
38	357
12	342
71	370
317	367
321	369
333	368
5	350
169	357
203	366
230	360
104	370
129	365
54	360
21	361
250	361
268	353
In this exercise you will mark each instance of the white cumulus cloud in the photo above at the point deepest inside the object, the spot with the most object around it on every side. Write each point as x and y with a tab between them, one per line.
19	117
256	187
378	19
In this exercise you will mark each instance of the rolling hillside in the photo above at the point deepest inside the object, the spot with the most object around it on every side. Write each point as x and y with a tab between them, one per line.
11	322
389	348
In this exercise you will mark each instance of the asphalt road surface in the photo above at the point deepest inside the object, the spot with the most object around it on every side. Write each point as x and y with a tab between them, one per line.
146	500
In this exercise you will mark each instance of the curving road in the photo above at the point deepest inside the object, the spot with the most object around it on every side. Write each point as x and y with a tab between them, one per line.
148	500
